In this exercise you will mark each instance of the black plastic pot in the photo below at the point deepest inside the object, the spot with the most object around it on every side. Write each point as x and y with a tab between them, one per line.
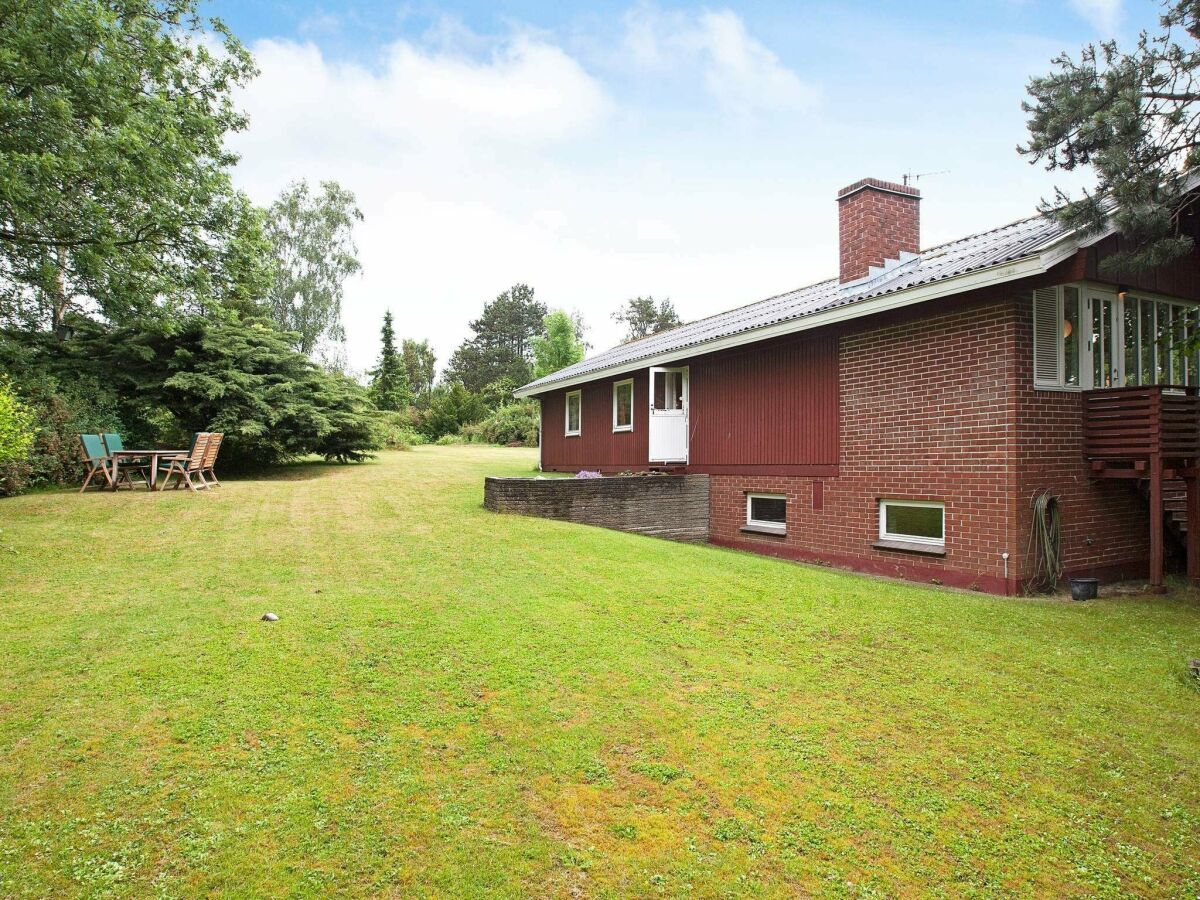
1085	588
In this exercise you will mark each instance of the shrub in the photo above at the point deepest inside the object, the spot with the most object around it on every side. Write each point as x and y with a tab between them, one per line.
242	378
511	424
397	430
59	416
16	425
450	440
450	408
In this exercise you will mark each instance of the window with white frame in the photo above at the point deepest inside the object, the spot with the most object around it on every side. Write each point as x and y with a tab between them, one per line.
913	521
1091	336
767	511
623	405
574	413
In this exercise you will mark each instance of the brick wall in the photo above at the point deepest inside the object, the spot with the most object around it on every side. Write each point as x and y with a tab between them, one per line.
1105	524
876	220
927	413
943	408
668	506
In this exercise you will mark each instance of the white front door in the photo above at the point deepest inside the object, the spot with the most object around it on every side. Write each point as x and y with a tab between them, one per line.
668	415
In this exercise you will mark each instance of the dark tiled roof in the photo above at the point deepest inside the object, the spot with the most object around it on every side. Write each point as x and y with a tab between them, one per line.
979	251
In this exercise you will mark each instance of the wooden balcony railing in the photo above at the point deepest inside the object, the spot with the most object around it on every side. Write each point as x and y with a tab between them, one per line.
1140	423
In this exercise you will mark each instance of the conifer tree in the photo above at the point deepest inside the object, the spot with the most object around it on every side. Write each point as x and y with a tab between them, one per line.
1133	118
389	383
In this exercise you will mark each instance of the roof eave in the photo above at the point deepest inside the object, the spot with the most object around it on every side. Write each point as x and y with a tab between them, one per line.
1043	261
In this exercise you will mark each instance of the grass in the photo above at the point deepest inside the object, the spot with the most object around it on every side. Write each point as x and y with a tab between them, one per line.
456	703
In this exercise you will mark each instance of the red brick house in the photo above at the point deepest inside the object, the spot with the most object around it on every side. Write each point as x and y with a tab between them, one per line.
900	418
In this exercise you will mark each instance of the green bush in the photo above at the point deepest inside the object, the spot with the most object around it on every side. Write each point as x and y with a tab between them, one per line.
397	430
159	383
450	440
17	435
450	408
16	425
242	378
58	417
514	424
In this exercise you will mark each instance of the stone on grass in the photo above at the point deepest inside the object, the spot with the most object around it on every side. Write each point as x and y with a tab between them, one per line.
270	617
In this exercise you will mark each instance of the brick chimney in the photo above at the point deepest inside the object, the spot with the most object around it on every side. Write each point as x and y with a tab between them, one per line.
876	220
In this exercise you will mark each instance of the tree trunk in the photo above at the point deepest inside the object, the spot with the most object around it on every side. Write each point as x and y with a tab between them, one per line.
60	297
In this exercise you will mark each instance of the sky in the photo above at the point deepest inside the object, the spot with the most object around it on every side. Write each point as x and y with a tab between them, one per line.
608	150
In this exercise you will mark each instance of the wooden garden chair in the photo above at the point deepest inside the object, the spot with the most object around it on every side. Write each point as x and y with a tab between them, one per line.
210	458
114	444
186	468
96	459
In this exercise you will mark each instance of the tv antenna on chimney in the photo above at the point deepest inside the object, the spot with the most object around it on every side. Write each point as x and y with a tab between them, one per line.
910	177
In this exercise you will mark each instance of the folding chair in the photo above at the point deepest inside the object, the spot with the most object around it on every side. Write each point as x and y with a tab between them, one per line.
96	460
114	444
210	458
185	468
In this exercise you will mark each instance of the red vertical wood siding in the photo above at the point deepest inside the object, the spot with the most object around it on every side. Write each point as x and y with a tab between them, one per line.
596	446
1180	278
770	407
767	405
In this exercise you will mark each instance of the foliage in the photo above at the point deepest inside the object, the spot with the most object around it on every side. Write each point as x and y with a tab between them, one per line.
451	406
397	431
762	728
114	179
643	316
237	376
420	366
313	239
16	426
450	440
513	424
242	378
349	432
559	345
498	393
1134	119
502	341
65	397
389	380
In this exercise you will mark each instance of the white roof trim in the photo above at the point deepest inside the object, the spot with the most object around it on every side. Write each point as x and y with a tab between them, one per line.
1038	264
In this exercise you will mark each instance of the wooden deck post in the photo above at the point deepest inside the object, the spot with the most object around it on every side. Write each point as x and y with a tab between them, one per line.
1156	524
1193	532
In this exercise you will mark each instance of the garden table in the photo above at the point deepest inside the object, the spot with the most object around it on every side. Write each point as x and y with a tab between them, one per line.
153	455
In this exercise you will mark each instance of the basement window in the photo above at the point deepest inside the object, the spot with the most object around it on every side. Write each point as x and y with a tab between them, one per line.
623	405
912	524
574	413
766	513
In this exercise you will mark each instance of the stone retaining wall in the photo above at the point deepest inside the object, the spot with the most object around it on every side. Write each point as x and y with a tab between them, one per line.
666	506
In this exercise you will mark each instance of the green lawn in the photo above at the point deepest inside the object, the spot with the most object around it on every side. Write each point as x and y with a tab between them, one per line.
455	702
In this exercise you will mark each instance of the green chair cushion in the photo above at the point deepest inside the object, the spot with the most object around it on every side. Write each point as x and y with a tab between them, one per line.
93	446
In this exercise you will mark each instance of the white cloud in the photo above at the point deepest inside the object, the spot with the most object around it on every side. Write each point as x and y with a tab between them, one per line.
741	73
480	161
1102	14
656	231
445	152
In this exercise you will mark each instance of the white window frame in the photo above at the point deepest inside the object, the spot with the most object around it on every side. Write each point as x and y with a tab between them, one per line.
752	522
1087	292
616	386
567	414
885	535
